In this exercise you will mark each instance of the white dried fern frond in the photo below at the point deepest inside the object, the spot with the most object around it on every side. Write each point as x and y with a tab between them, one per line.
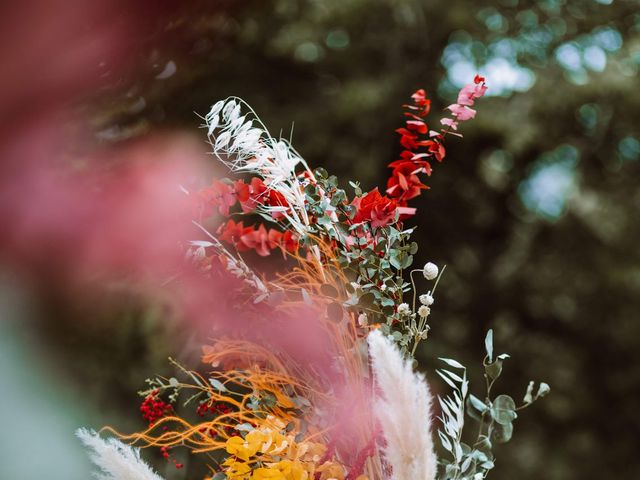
452	418
244	144
403	410
116	460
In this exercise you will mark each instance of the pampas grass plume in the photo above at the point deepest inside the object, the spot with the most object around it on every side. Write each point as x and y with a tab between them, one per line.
116	460
403	409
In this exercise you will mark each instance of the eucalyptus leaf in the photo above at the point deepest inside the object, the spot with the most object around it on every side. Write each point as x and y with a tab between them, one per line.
477	404
329	290
493	370
321	173
217	384
334	311
502	433
244	427
484	445
503	409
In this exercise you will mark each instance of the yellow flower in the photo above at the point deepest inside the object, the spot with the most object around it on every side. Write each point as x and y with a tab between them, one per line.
263	473
292	470
263	441
331	471
244	448
236	470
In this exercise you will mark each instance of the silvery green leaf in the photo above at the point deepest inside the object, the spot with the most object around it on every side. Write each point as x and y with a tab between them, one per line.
493	370
446	379
484	446
502	434
329	290
445	407
217	384
488	344
444	440
466	464
452	363
488	465
453	376
243	427
464	388
458	452
478	404
503	409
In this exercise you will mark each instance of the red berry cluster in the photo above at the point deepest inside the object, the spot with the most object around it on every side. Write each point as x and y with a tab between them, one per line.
153	408
216	409
165	454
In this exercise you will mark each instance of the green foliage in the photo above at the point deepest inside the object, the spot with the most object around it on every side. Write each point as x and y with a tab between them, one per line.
494	418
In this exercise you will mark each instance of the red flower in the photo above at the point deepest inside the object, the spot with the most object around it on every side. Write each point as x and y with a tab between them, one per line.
422	103
289	242
259	241
417	126
375	208
223	196
404	183
276	199
232	232
252	195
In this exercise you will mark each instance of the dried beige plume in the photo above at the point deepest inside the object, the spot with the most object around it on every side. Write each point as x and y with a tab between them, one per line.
403	409
116	460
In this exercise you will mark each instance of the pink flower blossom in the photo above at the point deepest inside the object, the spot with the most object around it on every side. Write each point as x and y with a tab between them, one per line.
449	122
462	112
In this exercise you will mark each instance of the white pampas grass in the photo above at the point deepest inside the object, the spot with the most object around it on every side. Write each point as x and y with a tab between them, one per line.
403	409
116	460
244	144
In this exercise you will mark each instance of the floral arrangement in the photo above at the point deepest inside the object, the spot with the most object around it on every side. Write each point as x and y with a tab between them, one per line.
311	375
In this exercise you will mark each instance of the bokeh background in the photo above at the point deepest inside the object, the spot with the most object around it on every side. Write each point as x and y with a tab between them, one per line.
536	212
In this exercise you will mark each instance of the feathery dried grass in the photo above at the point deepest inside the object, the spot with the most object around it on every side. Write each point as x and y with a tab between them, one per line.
403	409
116	460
